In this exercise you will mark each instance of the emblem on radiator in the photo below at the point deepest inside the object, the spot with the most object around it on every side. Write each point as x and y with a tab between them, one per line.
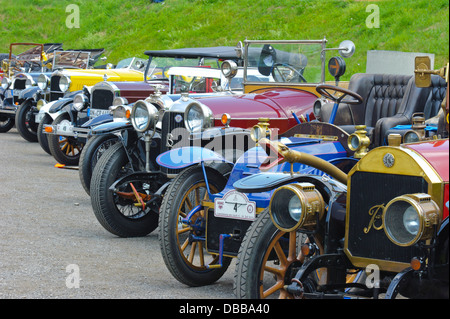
375	221
388	160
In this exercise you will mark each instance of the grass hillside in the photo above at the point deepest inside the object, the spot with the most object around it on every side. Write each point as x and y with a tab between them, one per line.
129	27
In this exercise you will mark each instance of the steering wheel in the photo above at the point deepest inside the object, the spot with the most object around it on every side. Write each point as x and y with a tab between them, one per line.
291	75
324	89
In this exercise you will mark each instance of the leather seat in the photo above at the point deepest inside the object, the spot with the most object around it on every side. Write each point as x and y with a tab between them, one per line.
430	107
388	100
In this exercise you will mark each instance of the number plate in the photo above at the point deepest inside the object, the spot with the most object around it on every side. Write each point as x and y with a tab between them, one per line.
97	112
235	205
39	117
64	127
16	92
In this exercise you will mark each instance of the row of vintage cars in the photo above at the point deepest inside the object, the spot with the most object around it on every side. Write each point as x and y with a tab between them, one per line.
320	189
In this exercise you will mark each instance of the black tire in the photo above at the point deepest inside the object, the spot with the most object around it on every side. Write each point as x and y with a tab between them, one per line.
41	136
65	149
25	124
174	206
256	251
117	215
6	124
92	151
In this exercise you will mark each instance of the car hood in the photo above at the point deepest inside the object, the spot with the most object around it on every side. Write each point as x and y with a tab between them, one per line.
139	90
436	153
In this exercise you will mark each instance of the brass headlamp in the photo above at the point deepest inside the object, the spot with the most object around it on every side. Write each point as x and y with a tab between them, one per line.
296	206
410	218
260	130
359	142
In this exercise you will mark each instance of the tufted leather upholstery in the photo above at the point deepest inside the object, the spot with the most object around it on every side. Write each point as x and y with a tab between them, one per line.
388	100
425	100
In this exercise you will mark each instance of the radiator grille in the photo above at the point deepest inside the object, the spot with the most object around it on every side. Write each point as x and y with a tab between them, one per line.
19	84
102	99
171	121
367	191
55	91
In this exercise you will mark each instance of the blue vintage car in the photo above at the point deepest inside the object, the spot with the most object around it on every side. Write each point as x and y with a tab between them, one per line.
203	219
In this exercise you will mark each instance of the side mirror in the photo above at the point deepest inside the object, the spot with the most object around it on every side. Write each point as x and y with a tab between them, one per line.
266	60
346	48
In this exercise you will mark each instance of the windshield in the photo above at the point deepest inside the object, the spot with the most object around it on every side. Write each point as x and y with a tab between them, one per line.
160	65
293	62
25	58
70	59
137	64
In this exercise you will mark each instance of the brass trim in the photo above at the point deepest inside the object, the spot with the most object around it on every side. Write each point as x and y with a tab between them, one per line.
407	162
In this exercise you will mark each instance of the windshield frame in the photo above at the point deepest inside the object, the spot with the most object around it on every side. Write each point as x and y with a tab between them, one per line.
248	43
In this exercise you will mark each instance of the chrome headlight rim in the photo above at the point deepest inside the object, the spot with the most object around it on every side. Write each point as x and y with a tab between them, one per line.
64	86
151	116
43	81
206	117
229	69
427	214
80	102
40	104
121	112
6	83
411	137
295	206
118	100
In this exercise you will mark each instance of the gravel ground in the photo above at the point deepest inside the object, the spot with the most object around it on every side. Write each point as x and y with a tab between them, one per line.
48	231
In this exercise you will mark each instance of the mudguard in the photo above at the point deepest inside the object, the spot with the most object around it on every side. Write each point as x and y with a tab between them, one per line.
101	119
29	93
110	127
183	157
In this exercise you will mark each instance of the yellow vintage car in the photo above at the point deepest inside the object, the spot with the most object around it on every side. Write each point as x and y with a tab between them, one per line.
66	81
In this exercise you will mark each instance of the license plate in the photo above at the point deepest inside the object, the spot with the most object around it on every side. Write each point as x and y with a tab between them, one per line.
235	205
16	92
64	127
39	117
96	112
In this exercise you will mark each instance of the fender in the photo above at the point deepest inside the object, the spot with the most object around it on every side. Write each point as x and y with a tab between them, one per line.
183	157
111	127
30	93
101	119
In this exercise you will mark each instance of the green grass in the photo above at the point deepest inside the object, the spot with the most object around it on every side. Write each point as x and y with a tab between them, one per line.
129	27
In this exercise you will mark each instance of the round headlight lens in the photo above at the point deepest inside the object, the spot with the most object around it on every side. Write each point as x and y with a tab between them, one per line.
144	116
354	142
29	83
229	68
6	83
410	218
295	208
40	104
411	137
120	101
194	118
317	108
43	81
64	83
411	221
80	101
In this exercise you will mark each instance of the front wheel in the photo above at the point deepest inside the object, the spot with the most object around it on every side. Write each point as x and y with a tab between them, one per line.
119	211
65	149
95	147
183	245
25	123
6	124
41	136
266	260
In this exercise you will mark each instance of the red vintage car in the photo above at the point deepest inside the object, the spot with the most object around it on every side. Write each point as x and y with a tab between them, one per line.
280	80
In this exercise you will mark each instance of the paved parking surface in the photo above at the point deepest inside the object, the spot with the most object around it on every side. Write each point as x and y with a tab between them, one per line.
49	234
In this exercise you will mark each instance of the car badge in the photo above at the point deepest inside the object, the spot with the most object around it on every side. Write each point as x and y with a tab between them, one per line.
388	160
178	118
